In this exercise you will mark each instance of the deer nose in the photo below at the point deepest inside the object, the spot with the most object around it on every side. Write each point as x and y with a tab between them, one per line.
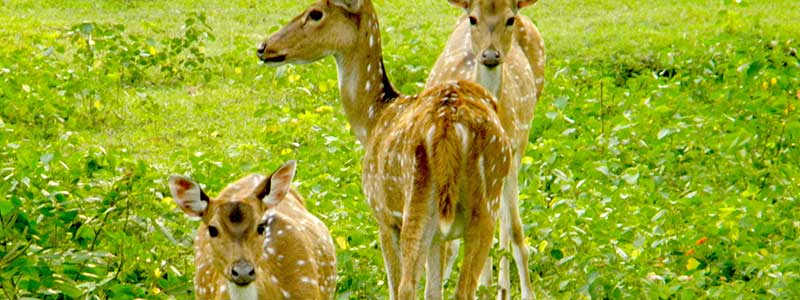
490	58
243	272
261	48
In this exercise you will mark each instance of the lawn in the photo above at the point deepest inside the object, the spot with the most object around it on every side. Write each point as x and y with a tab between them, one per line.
663	161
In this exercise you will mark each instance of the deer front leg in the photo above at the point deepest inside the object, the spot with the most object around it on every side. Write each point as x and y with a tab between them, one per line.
486	275
391	257
450	253
512	230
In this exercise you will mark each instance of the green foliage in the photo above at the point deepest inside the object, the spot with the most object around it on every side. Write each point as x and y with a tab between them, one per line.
663	160
109	53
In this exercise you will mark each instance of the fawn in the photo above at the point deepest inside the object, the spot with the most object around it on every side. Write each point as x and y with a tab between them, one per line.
257	240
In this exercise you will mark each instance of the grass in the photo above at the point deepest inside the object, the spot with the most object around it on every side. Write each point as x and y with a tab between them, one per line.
663	161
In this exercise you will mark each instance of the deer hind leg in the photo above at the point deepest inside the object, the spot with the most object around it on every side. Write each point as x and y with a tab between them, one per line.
391	257
419	226
511	229
433	282
477	241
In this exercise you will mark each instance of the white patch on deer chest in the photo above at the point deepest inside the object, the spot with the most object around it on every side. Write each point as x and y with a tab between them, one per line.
248	292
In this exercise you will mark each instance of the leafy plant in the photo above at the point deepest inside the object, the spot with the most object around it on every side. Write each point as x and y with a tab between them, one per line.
663	159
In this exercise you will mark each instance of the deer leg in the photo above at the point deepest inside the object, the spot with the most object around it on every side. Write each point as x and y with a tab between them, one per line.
419	226
504	277
477	242
391	257
486	274
512	225
450	253
433	284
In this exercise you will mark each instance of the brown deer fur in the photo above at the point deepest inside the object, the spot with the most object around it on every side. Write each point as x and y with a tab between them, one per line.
434	163
258	220
516	81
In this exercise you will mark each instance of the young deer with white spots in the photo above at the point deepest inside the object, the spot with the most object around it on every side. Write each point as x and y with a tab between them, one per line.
434	163
257	240
503	51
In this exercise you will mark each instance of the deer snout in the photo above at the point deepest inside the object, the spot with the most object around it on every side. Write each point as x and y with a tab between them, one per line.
270	56
261	49
243	272
490	58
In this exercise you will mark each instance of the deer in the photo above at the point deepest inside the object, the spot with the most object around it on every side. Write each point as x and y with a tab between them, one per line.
257	240
503	51
434	163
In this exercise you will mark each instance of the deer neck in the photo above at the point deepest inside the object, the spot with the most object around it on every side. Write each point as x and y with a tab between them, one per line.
490	78
364	86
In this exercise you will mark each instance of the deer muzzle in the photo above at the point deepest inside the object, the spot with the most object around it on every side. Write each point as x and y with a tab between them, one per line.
490	58
269	56
243	272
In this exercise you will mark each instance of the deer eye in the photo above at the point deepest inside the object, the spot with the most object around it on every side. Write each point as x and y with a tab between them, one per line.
473	21
315	15
212	231
510	21
261	227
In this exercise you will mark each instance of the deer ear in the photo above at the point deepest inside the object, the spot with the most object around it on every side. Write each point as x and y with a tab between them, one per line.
525	3
188	195
279	184
352	6
460	3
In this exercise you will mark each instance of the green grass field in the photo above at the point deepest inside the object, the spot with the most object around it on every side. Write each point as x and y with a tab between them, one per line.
663	161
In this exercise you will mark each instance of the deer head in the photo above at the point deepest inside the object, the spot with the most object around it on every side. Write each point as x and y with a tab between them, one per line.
492	32
347	30
491	25
230	240
327	27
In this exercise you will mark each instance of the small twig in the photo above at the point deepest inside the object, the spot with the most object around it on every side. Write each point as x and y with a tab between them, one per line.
2	287
121	245
602	115
783	130
94	242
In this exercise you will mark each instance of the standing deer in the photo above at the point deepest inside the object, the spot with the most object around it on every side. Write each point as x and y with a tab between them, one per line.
503	51
434	163
257	240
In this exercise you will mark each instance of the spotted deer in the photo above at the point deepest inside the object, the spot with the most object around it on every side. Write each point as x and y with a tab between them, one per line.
502	50
257	240
434	163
